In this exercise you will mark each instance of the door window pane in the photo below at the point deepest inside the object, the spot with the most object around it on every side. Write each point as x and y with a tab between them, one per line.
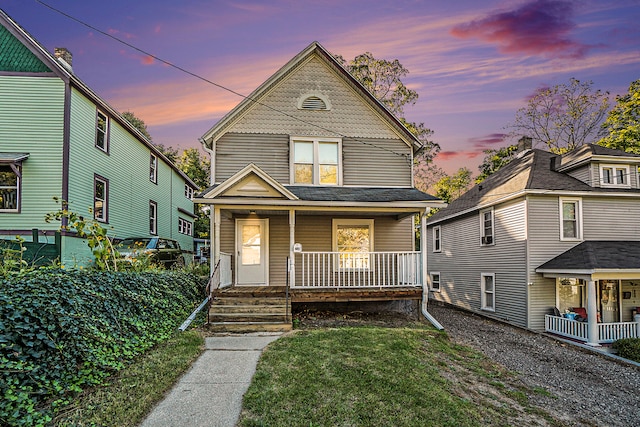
251	245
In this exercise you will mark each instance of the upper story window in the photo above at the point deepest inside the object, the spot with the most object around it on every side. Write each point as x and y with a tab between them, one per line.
570	219
437	244
486	227
316	161
9	187
188	191
614	175
102	131
153	168
100	198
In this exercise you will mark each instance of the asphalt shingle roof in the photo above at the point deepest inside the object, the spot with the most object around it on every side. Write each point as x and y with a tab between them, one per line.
597	254
359	194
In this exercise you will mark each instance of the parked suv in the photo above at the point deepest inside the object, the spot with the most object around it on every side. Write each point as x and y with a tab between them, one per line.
161	251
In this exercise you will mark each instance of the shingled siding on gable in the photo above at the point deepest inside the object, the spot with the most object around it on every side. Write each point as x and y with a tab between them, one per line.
15	57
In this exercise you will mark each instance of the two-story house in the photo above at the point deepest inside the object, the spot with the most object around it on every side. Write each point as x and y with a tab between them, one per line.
58	138
312	186
546	234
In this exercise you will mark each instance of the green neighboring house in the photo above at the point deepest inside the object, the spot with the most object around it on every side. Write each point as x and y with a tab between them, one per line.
60	139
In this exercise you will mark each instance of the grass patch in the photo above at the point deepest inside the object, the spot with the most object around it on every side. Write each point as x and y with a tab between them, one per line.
129	396
363	376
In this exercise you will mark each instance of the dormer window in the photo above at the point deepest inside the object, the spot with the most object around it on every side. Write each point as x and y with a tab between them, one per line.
614	175
314	102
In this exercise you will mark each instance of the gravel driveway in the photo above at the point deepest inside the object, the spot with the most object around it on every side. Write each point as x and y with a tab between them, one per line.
585	388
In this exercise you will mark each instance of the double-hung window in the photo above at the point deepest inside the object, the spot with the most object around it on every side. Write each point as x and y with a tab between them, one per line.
188	191
488	289
185	227
102	131
434	277
100	198
570	219
10	177
353	241
153	168
486	227
437	243
153	217
316	161
614	176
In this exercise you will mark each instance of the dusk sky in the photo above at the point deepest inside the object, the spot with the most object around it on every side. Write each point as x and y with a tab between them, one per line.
473	62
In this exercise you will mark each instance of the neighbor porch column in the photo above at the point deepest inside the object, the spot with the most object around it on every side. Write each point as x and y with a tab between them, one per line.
215	226
592	315
292	241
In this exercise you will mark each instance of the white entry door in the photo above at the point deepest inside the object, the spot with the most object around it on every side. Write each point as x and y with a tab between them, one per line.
252	237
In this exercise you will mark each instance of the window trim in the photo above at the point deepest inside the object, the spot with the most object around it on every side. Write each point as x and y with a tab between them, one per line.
153	217
614	176
335	222
487	240
16	167
188	191
153	168
578	202
105	201
106	131
316	165
436	241
432	281
484	292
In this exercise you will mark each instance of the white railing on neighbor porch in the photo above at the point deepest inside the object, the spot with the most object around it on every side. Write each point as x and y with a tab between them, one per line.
608	332
318	270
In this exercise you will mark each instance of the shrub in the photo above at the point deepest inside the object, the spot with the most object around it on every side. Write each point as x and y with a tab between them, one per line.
62	330
629	348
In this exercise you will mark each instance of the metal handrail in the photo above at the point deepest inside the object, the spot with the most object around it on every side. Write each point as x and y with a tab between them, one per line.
212	285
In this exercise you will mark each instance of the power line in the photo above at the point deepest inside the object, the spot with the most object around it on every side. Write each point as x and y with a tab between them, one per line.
197	76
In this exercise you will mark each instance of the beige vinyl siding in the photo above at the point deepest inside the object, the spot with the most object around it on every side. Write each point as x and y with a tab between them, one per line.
376	162
269	152
586	174
32	121
462	261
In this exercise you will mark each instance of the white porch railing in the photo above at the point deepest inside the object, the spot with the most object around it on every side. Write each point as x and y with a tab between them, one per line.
357	270
608	332
225	270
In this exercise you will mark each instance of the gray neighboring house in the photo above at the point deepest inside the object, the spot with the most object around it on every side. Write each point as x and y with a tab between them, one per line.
313	186
545	235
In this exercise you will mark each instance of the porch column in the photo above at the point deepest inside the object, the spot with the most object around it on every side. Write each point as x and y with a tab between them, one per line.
423	254
215	226
292	241
592	315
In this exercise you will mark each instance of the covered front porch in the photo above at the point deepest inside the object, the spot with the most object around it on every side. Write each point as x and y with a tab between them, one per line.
597	292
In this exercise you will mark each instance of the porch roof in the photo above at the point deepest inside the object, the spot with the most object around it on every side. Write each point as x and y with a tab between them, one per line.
596	258
360	194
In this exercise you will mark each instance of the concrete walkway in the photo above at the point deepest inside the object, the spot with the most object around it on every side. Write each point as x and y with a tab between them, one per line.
210	393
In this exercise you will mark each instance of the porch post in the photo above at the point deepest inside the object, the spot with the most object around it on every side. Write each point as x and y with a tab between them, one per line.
215	226
423	254
592	315
292	241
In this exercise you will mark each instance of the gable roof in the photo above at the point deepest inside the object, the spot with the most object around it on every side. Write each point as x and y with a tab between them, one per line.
34	49
317	50
592	256
251	169
590	152
531	171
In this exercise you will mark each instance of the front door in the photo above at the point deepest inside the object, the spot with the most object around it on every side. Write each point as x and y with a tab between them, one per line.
252	237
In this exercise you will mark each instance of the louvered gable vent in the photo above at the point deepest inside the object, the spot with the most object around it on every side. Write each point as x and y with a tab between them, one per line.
313	103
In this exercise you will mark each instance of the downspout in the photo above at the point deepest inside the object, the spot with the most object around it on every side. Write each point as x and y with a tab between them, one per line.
425	285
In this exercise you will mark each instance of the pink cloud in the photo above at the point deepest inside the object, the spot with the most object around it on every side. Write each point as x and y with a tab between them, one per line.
488	141
147	60
120	34
450	155
538	27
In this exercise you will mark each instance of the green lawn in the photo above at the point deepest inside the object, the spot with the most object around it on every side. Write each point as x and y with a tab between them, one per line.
130	394
376	376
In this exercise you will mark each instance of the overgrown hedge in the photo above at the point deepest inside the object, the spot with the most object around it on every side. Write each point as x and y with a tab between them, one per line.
62	331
